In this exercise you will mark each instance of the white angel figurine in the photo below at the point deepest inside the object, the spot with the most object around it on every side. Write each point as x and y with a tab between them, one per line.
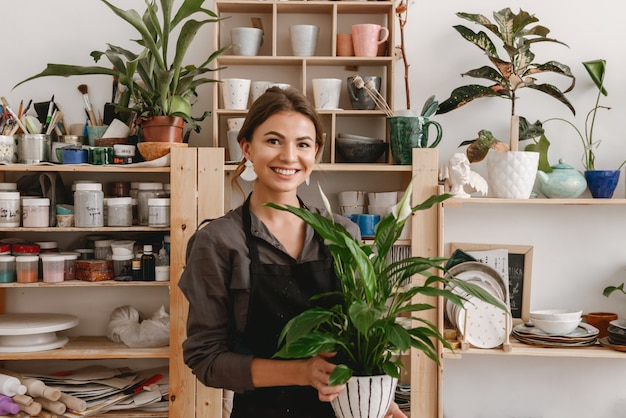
461	178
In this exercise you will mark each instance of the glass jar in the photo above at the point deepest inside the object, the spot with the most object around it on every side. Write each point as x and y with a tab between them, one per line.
36	212
159	212
27	268
10	209
146	191
120	211
88	205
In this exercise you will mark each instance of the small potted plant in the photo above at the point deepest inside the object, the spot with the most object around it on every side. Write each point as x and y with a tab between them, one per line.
601	183
364	328
157	82
508	74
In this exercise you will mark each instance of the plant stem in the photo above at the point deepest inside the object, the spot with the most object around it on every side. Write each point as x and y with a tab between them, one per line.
402	12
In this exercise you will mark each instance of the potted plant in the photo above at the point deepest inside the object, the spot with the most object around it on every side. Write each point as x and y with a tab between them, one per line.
364	328
508	74
157	83
602	183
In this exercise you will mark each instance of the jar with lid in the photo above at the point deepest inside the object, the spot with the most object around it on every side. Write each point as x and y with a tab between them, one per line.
120	211
7	268
36	212
88	205
53	267
120	189
8	187
48	247
122	267
134	189
27	268
5	249
10	209
25	248
146	191
102	250
159	212
69	269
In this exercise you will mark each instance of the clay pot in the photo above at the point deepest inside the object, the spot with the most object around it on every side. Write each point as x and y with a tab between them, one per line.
163	129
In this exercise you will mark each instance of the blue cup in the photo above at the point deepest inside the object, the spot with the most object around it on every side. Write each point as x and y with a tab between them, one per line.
366	222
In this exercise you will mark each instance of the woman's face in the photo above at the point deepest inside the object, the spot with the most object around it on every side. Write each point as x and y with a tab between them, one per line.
283	151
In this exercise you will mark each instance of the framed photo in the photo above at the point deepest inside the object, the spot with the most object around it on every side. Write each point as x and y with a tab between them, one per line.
520	259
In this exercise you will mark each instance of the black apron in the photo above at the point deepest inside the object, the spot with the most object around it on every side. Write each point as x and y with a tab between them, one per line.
277	294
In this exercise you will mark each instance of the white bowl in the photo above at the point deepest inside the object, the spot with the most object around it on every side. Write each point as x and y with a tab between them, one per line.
359	137
556	314
556	327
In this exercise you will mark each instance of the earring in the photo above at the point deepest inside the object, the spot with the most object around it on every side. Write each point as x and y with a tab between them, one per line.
248	174
308	180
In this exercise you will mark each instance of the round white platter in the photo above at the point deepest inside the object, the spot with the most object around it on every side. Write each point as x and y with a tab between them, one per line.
28	332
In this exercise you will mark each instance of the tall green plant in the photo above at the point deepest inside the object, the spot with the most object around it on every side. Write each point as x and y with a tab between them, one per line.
364	328
157	81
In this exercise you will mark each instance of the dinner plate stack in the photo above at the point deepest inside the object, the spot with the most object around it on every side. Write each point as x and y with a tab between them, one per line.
479	323
617	335
583	335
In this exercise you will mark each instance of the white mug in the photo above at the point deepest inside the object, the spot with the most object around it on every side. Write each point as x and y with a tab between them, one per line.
257	88
246	41
235	92
326	92
234	149
303	39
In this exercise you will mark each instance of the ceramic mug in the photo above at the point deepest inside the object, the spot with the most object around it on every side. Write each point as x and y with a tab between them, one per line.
235	92
234	149
366	38
257	88
344	45
359	97
246	41
304	39
366	222
95	132
326	92
408	132
600	320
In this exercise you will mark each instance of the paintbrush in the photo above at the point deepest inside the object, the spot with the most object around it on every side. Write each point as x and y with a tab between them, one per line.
85	91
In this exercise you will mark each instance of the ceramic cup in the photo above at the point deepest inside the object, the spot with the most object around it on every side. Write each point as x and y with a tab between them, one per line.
326	92
304	39
246	41
344	45
600	320
257	88
95	132
234	149
366	222
235	92
283	86
366	38
359	97
351	198
235	124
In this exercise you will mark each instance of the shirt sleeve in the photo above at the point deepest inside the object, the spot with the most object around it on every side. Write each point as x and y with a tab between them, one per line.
205	283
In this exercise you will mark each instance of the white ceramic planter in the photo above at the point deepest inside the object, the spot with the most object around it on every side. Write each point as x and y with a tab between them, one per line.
365	397
512	174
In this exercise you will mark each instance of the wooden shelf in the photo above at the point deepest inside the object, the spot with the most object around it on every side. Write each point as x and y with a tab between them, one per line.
458	202
132	414
55	229
268	60
350	167
119	168
86	348
84	283
520	349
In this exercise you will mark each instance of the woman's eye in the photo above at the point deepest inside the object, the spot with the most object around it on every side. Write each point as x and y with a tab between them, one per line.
304	145
273	141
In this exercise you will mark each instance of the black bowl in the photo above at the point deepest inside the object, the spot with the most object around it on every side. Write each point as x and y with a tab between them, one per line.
358	151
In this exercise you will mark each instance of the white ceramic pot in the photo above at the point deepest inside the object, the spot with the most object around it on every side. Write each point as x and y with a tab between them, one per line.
365	397
512	174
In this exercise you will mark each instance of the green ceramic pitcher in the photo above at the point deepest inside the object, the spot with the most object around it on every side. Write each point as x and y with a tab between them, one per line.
408	132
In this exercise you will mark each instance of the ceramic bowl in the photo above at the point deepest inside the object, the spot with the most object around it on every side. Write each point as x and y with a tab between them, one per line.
153	150
355	151
556	327
359	137
556	315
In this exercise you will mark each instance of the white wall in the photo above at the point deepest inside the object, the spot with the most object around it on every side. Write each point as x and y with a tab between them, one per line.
577	250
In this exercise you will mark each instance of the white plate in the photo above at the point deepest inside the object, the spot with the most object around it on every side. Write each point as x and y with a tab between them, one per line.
486	326
619	323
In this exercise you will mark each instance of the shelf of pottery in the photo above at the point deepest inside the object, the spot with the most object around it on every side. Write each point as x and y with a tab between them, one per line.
315	47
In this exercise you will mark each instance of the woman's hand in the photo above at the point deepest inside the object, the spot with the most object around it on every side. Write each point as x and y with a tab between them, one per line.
394	411
318	370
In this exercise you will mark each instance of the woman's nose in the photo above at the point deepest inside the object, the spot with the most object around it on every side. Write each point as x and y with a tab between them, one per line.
289	153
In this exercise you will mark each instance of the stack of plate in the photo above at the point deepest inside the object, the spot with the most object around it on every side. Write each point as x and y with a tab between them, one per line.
617	335
403	397
486	325
583	335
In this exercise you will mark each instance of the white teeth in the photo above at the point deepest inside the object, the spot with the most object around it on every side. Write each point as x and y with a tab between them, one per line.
285	172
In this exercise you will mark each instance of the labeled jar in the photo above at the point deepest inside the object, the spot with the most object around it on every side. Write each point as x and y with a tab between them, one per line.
119	211
146	191
53	267
10	209
159	212
7	268
27	268
88	205
36	212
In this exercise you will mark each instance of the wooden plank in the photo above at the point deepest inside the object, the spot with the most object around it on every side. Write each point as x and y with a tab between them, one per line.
425	374
210	206
183	223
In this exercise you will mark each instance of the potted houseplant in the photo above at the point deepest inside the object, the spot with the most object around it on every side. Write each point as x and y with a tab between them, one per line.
157	83
364	328
601	183
508	74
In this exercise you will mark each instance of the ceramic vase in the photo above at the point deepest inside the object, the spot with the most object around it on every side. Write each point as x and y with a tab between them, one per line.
511	174
365	397
602	183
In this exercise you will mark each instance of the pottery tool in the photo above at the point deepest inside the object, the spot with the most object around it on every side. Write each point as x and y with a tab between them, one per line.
46	124
5	103
88	108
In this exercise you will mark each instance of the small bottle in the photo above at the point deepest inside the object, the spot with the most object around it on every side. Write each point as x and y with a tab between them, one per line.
11	386
148	264
136	270
162	269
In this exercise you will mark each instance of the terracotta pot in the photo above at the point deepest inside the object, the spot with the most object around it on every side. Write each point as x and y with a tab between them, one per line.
163	129
365	397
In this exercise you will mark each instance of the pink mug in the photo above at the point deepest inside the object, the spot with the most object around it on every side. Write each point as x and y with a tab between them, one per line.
366	37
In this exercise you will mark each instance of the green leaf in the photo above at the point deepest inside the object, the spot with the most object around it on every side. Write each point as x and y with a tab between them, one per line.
463	95
398	336
480	39
302	324
308	346
554	92
542	148
363	315
596	69
340	375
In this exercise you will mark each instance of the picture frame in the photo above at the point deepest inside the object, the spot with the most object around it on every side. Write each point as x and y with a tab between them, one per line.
519	267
